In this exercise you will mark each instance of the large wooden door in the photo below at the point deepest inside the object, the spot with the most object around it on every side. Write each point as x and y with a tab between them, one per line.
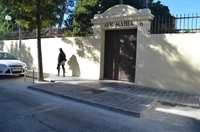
120	54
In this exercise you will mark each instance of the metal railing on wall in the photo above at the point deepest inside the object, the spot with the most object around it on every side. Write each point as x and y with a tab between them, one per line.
48	33
160	24
45	33
176	24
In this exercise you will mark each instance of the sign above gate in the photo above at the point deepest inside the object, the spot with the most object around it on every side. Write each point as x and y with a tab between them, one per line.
119	24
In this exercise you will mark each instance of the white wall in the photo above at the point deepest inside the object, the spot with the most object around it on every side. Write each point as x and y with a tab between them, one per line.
168	61
86	50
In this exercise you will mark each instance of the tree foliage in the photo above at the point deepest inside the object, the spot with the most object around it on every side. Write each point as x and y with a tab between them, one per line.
85	10
31	14
4	26
24	12
158	9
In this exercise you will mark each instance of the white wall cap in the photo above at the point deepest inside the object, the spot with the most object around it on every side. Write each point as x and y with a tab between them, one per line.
122	12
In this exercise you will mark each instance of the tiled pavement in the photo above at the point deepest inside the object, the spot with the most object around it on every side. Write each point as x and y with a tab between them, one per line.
172	97
117	96
115	101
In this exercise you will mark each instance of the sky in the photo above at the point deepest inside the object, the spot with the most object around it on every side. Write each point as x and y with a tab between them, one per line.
178	7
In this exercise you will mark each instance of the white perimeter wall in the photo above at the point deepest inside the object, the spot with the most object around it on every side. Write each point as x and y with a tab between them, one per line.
86	51
168	61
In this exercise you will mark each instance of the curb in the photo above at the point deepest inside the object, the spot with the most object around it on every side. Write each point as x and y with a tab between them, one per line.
140	114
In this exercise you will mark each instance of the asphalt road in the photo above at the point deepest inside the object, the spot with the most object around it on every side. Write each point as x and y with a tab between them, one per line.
26	110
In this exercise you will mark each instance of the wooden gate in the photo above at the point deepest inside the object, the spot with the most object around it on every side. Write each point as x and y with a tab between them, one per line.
120	54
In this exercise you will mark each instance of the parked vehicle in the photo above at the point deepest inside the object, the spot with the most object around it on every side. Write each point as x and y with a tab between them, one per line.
10	65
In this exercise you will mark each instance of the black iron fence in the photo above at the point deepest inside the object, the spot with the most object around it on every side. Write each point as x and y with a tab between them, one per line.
24	34
176	24
160	25
47	33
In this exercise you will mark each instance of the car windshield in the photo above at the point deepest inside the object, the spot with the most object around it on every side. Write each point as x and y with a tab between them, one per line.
7	56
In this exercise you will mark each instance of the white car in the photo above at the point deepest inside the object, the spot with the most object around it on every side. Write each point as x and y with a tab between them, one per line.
10	65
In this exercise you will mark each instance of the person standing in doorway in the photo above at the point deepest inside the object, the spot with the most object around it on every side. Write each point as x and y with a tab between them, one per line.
61	61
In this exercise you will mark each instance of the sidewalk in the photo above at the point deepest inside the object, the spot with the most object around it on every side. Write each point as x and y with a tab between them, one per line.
114	95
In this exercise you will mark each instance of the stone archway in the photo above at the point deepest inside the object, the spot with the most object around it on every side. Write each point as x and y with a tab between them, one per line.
119	28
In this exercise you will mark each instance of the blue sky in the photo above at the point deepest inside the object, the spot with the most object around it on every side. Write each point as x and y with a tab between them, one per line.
178	7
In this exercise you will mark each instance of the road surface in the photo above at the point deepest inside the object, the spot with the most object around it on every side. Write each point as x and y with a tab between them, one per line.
26	110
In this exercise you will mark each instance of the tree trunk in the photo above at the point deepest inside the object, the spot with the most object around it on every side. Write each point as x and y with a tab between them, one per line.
40	68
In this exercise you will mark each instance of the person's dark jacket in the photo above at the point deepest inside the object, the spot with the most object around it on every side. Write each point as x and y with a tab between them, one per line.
61	57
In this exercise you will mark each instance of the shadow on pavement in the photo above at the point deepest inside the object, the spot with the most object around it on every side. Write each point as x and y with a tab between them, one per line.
9	77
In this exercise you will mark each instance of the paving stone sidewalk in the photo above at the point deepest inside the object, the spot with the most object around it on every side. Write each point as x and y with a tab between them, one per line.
124	103
172	97
122	97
